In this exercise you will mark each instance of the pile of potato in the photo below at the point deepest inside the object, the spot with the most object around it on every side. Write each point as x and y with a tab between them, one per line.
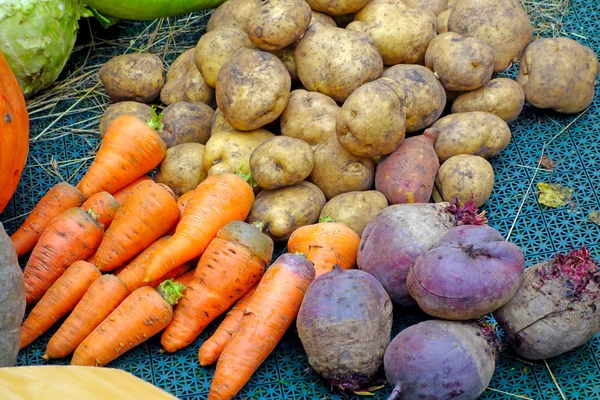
323	101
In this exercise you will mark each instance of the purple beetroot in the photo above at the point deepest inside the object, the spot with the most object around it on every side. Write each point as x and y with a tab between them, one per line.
557	307
469	272
394	239
441	360
344	324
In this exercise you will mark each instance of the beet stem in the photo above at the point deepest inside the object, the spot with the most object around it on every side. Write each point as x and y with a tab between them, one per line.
395	393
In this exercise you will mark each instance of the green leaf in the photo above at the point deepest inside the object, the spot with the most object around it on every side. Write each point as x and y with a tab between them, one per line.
326	219
155	120
171	291
554	195
104	20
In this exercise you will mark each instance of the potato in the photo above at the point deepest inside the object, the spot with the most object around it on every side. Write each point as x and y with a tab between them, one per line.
232	13
251	97
275	24
463	175
281	161
462	63
355	209
401	34
185	83
504	25
182	169
186	123
335	61
337	7
558	73
140	110
322	18
372	121
311	116
230	151
215	48
502	97
433	6
478	133
137	77
442	21
422	94
286	56
286	209
220	124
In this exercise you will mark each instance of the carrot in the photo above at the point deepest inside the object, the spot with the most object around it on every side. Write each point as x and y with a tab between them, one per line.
148	213
143	314
231	265
133	273
218	200
59	198
104	205
183	200
326	244
212	348
92	259
121	194
73	235
185	279
102	297
129	149
60	298
271	311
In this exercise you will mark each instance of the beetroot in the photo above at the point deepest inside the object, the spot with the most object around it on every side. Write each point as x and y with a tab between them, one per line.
440	360
394	239
344	324
469	272
556	308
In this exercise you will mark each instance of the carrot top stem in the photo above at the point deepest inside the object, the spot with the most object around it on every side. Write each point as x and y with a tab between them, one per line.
247	177
171	291
301	254
326	219
93	214
260	225
155	121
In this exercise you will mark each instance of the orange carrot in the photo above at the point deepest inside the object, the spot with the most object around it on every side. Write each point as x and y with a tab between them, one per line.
147	214
59	198
92	259
73	235
231	265
104	205
271	311
185	279
183	200
326	244
212	348
218	200
103	297
129	149
121	194
60	298
133	273
140	316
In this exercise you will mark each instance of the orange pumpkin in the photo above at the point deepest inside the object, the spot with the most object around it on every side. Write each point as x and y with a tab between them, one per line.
14	133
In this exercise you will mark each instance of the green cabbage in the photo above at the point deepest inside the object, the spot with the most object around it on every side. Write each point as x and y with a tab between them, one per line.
37	38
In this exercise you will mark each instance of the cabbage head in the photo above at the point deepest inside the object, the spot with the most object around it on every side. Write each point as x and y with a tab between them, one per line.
37	38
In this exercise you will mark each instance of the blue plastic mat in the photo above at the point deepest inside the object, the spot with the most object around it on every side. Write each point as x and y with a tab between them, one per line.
67	131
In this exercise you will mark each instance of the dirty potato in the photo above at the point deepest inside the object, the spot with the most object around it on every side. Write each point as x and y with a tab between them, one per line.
462	63
286	209
281	161
252	97
220	124
140	110
335	61
504	25
182	168
372	121
477	133
501	96
185	82
275	24
286	55
137	77
433	6
215	48
422	94
463	175
230	151
185	122
337	7
442	21
355	209
232	13
401	34
559	74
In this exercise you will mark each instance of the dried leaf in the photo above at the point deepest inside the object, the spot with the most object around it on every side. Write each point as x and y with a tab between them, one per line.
369	391
594	217
554	195
547	163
